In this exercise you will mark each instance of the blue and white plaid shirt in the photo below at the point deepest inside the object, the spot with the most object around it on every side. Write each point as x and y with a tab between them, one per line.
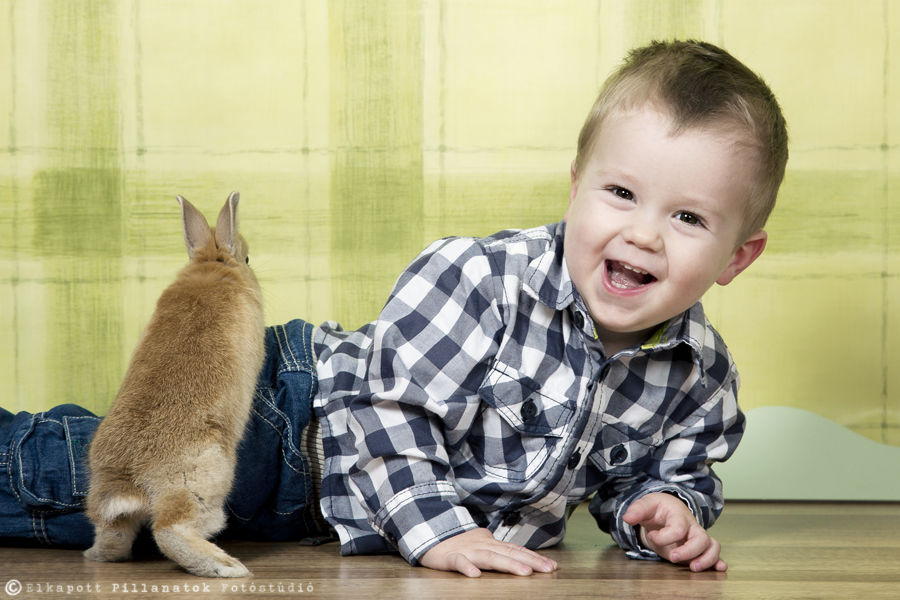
482	398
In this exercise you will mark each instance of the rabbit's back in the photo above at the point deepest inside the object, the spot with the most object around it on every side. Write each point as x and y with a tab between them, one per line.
192	375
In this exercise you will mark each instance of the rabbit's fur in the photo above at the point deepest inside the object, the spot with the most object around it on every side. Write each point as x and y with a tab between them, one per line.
166	452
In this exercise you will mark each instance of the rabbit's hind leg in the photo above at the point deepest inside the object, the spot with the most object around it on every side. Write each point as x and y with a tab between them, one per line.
117	517
181	524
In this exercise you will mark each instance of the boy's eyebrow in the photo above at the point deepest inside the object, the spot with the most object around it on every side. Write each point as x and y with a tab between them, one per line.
712	207
614	173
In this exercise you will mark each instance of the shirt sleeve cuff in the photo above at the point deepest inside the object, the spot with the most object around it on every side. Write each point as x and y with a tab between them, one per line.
420	517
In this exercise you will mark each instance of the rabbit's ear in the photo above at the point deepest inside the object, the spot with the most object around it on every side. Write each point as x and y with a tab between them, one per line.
227	224
196	229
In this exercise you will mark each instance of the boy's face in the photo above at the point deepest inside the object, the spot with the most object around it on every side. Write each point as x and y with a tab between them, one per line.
653	222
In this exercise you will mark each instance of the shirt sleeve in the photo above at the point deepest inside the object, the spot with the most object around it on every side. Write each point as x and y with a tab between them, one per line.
432	346
680	466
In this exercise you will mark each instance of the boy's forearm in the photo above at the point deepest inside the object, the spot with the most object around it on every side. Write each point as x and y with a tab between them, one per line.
406	489
418	518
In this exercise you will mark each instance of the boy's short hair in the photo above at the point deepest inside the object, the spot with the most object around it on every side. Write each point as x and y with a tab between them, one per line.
700	86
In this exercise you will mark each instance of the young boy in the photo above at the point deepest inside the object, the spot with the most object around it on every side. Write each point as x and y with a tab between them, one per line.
510	378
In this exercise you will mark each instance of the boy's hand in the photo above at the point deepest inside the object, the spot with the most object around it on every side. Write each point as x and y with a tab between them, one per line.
668	528
476	549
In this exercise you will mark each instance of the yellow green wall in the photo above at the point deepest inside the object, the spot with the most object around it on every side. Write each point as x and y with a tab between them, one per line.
359	131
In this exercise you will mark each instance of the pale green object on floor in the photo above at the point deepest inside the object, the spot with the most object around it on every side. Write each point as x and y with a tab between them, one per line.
792	454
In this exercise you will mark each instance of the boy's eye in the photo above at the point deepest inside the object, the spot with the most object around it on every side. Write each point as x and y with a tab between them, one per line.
623	193
688	218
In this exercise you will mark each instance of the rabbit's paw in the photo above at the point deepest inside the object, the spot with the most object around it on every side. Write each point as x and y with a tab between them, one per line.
111	545
106	554
221	566
237	570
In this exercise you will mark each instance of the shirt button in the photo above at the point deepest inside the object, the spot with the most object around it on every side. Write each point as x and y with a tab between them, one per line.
529	410
512	519
618	454
579	320
574	460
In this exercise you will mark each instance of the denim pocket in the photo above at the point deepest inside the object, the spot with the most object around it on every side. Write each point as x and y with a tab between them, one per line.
49	461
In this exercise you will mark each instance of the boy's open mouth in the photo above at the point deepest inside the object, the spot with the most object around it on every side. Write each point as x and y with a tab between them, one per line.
626	277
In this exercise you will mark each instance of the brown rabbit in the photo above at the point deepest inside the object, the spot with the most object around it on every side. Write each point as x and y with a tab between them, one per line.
165	453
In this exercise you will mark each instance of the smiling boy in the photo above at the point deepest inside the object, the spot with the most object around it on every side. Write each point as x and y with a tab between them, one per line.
512	377
580	358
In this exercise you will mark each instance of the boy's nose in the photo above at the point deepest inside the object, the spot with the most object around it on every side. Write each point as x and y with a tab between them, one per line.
644	234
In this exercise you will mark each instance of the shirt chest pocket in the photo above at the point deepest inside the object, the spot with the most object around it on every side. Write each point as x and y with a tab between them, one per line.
519	427
621	450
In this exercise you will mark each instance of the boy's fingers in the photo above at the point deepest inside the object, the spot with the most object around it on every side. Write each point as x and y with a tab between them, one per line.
516	562
460	563
638	512
510	549
700	550
668	535
507	564
522	555
532	560
709	559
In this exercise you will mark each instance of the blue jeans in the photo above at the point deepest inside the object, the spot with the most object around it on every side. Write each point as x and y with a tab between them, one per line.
43	476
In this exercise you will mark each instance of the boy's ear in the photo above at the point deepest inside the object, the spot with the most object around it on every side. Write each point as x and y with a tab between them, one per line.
743	257
573	191
574	179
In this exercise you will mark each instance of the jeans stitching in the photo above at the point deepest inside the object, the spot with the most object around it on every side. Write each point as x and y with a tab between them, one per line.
36	420
71	450
306	365
41	535
286	346
12	449
292	363
288	432
307	340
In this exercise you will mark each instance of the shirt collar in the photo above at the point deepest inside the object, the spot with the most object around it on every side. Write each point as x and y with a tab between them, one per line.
691	328
547	278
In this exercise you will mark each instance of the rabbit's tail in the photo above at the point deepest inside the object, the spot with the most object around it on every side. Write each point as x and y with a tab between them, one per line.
118	510
184	522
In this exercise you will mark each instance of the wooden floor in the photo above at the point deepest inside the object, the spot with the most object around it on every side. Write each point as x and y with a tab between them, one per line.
774	550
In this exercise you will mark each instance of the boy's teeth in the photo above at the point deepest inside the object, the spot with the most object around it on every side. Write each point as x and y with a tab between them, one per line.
635	269
624	276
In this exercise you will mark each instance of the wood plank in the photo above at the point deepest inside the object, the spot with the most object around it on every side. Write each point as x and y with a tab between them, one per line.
774	550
